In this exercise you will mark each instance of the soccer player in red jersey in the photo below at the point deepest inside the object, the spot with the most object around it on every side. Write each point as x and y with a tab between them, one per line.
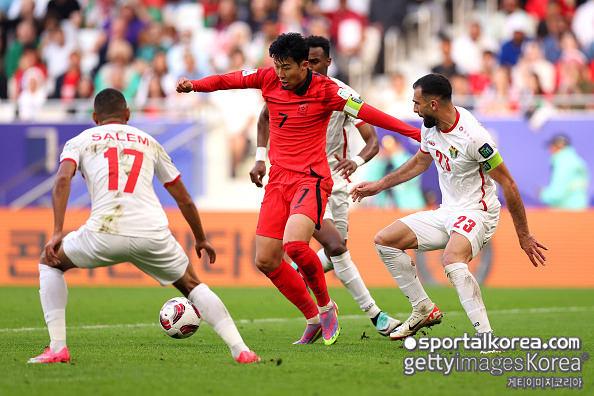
300	104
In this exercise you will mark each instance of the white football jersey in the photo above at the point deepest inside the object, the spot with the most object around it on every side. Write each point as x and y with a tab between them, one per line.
458	154
339	126
118	163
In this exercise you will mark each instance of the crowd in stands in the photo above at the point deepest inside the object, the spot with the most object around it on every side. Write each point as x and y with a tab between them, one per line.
536	52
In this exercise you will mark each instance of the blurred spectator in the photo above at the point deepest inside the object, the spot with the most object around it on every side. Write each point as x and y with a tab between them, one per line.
55	54
118	72
63	8
583	24
150	42
539	9
499	98
481	80
531	62
246	105
177	57
509	17
66	84
447	67
26	34
552	41
546	24
572	75
261	43
29	59
568	188
33	95
261	12
467	51
461	91
156	81
512	49
396	100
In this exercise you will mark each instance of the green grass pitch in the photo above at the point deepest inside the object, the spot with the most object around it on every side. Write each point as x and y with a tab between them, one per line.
117	346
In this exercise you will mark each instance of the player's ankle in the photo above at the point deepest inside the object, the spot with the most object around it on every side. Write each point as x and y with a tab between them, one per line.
423	306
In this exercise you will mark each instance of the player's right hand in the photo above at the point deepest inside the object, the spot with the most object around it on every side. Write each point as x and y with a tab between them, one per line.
208	248
532	248
257	173
51	257
184	85
365	189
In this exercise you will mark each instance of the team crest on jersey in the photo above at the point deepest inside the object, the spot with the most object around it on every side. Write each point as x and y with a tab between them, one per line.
303	108
485	150
248	72
453	152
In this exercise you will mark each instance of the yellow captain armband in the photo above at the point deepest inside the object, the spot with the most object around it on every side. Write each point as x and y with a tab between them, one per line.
492	163
352	106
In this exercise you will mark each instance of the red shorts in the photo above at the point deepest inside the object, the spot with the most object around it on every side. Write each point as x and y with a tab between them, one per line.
289	193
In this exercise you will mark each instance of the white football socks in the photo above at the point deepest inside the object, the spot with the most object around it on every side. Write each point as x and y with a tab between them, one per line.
326	263
214	312
470	295
404	272
53	294
347	273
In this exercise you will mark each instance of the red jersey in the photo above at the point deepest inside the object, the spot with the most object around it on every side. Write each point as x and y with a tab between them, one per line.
299	119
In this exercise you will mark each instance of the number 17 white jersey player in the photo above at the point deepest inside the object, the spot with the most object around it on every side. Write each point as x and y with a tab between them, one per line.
127	224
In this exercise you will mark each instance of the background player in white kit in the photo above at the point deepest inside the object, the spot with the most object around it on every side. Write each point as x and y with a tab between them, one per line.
467	161
334	230
127	223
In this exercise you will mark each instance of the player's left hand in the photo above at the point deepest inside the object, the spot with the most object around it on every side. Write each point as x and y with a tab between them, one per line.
346	167
208	248
51	257
532	248
184	85
365	189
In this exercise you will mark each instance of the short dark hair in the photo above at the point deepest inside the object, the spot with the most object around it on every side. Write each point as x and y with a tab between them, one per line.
289	46
435	85
321	42
109	102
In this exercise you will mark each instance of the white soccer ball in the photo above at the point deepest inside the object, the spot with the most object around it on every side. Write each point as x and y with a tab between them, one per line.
179	318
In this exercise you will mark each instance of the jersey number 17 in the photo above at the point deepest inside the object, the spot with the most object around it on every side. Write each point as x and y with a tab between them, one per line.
112	160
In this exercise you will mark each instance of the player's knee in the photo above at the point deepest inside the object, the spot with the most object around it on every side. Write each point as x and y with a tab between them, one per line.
266	266
382	239
336	248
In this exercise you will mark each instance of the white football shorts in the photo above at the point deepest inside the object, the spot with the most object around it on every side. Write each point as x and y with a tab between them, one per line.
434	227
337	210
162	258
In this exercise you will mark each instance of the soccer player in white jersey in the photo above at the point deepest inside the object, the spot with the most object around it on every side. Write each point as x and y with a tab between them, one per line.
468	162
127	223
333	233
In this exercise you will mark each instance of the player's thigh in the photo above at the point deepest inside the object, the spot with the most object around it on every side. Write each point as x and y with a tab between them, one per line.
87	249
300	227
274	212
476	226
269	253
162	258
424	231
308	197
337	210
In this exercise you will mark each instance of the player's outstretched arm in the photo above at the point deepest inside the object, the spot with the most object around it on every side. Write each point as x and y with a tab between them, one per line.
411	169
186	205
516	208
60	196
235	80
259	170
347	167
357	108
